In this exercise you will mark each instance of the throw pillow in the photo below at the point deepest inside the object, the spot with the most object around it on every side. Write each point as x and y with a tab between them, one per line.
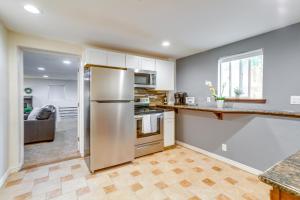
44	114
33	114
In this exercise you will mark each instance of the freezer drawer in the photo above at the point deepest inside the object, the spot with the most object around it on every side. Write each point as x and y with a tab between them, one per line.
111	84
112	136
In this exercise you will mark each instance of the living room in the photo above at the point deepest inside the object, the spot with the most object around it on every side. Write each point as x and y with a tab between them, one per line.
50	107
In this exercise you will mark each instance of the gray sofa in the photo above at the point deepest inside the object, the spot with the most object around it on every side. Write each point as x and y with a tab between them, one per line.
40	130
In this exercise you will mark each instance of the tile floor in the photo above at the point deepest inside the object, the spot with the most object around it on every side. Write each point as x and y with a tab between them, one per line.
174	174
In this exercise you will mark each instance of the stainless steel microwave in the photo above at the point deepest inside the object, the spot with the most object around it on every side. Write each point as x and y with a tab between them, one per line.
144	79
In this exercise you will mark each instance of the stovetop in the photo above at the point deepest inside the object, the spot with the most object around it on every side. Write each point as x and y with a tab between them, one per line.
146	110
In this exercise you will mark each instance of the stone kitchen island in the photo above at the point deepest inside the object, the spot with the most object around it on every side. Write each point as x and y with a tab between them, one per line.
284	177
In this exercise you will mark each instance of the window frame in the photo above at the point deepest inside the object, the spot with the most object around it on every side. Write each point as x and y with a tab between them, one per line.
241	56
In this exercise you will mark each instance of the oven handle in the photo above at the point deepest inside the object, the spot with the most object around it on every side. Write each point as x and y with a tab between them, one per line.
139	117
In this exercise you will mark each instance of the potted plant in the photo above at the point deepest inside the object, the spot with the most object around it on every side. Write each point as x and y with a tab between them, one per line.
238	92
218	98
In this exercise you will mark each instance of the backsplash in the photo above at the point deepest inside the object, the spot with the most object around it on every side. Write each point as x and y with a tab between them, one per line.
156	97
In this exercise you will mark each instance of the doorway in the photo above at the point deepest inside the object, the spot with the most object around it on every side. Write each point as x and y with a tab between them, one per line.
50	107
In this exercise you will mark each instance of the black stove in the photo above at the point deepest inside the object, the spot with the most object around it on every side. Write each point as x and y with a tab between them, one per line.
143	110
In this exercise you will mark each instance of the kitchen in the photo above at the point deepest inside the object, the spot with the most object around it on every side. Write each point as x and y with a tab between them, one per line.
128	83
201	103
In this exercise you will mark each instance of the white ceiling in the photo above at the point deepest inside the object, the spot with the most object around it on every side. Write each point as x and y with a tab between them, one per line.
53	64
141	25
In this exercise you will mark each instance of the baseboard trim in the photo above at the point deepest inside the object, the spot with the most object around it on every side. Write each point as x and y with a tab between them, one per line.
4	177
8	172
15	169
221	158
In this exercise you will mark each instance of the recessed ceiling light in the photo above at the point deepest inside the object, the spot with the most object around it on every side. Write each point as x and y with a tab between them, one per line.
67	62
41	68
45	76
165	43
32	9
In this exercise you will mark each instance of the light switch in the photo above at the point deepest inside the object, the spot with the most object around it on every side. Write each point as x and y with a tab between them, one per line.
295	99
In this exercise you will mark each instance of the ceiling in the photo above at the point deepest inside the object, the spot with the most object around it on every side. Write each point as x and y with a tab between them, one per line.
53	64
141	25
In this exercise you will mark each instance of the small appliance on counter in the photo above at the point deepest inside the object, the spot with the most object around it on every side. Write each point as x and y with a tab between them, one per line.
190	101
165	100
180	98
149	128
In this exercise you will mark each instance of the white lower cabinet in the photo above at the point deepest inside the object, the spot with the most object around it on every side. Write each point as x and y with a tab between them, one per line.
169	128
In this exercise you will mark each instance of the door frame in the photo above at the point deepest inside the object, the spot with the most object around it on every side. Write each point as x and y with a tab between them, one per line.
80	98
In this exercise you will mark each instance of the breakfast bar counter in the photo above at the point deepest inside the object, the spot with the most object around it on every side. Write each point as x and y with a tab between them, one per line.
219	112
285	178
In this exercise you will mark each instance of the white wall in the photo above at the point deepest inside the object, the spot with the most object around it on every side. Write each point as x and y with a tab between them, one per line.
4	102
40	92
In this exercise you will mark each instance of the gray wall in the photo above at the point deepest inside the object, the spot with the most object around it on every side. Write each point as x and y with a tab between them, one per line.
3	104
256	141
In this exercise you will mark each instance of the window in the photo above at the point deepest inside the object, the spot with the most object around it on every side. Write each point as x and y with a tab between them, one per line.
242	74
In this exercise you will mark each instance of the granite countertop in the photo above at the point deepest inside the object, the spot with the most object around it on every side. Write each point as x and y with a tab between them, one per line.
204	108
285	175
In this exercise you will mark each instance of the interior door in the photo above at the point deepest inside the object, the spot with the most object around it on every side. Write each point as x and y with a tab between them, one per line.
111	84
112	136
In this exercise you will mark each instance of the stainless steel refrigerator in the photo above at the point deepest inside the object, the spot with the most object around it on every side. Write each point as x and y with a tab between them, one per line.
109	117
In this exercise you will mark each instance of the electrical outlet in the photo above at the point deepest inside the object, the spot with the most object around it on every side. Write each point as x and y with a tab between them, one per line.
208	99
224	147
295	99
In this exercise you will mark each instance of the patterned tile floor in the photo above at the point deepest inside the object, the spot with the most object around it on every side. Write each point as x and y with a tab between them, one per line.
179	173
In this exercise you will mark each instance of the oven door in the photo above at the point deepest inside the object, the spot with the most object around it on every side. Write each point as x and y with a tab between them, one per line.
149	130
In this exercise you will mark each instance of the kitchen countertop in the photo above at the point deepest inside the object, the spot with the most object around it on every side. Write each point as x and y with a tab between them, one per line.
285	175
220	111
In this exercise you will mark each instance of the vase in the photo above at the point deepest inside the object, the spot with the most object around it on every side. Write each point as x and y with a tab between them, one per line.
220	103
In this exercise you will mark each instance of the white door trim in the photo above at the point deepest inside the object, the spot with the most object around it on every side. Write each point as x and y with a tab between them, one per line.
21	105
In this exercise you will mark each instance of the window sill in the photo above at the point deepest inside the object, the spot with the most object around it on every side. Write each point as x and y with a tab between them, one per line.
245	100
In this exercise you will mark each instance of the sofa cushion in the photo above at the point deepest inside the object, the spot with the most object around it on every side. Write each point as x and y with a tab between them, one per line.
33	114
44	114
51	107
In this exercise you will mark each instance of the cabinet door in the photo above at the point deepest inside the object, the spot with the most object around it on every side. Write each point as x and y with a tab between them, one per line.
169	132
95	56
148	64
169	129
115	59
133	62
165	77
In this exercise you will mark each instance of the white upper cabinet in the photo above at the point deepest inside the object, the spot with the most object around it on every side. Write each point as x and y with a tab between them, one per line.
138	62
133	62
165	70
165	77
147	64
95	56
115	59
